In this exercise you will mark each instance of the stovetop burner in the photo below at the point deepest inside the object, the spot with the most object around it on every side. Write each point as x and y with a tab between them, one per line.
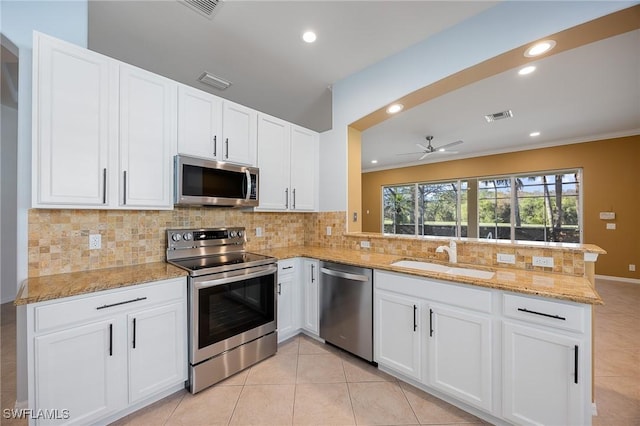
210	251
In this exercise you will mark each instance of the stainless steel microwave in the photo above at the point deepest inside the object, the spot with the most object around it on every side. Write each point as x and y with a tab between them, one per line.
214	183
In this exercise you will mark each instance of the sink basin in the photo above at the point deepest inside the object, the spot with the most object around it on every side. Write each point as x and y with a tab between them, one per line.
435	267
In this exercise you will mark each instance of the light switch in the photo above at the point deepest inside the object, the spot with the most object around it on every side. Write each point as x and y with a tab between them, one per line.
611	225
607	215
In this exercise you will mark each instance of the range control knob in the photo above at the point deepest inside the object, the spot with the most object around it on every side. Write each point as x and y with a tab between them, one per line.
187	236
232	234
176	237
239	234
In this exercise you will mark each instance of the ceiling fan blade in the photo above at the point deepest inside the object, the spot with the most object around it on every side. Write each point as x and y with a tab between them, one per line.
446	152
425	155
410	153
422	147
449	145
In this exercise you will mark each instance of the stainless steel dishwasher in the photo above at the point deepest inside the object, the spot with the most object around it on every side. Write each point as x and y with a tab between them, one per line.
346	308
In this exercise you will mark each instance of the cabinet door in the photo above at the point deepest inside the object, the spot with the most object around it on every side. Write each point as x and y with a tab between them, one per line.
310	319
397	333
287	318
239	134
148	116
199	123
542	383
73	112
82	370
157	349
274	137
304	160
459	354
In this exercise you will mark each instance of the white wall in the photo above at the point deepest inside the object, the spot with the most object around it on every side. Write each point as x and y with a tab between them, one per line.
8	196
497	30
66	20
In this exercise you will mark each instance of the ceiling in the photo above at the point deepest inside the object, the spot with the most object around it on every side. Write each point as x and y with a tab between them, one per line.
257	45
587	93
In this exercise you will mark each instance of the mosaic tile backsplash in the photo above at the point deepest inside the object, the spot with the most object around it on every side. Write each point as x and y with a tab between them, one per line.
59	239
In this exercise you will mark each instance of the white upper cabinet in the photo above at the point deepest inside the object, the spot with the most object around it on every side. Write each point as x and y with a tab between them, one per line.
304	160
287	158
273	160
148	117
104	132
239	134
73	117
199	123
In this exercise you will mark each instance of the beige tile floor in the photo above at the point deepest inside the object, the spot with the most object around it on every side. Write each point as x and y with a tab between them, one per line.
308	383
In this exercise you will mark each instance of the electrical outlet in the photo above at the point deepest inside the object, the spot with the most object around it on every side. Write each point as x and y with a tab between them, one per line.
95	241
506	258
258	231
547	262
632	267
365	244
611	225
328	230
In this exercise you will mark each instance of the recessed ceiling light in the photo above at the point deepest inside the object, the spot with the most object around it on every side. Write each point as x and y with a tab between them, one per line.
534	134
540	48
374	161
441	149
309	36
395	108
527	70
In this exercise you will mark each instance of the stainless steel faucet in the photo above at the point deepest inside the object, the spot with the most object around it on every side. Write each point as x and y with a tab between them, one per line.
452	250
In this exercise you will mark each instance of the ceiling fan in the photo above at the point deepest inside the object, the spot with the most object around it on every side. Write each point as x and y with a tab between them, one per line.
430	149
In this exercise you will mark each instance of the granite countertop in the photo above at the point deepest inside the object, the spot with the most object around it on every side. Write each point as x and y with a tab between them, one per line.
552	285
39	289
546	284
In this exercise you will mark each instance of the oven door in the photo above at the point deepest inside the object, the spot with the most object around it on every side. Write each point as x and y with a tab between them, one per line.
229	309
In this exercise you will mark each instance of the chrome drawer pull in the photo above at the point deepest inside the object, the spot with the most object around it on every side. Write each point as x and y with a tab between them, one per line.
542	314
121	303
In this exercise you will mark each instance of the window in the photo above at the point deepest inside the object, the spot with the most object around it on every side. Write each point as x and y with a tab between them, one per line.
530	207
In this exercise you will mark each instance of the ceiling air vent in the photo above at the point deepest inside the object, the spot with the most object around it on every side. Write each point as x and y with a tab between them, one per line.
214	81
207	8
498	116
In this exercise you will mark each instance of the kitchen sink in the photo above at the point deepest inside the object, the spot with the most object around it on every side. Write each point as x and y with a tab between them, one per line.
445	269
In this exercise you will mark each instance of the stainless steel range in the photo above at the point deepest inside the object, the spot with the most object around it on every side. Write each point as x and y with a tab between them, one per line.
232	302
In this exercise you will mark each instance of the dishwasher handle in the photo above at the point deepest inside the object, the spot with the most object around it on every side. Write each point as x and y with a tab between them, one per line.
346	275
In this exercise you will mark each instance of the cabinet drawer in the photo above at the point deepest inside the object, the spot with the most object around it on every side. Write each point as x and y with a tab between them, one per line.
287	266
546	312
81	309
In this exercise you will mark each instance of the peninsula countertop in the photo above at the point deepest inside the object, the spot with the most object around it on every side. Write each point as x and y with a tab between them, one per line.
546	284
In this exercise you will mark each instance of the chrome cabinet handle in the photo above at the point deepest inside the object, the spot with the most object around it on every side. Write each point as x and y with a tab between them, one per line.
286	198
294	198
279	288
215	146
415	322
226	144
312	272
575	364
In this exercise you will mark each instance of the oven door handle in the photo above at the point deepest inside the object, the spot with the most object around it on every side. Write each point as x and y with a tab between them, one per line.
212	282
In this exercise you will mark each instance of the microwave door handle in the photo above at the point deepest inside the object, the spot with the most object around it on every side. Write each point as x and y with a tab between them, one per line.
248	175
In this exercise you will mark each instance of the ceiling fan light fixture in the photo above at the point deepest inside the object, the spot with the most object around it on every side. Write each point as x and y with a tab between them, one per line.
539	48
374	161
309	36
534	134
395	108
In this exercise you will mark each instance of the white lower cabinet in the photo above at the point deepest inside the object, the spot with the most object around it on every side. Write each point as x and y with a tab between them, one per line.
398	333
459	354
288	299
91	357
76	371
310	296
156	355
511	358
